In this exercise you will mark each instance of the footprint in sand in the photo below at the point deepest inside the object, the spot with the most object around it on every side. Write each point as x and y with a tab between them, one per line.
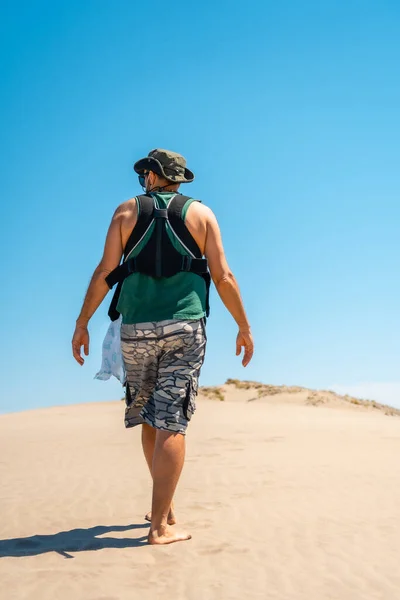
205	506
214	549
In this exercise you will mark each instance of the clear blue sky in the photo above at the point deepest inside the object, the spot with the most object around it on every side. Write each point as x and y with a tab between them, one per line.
288	112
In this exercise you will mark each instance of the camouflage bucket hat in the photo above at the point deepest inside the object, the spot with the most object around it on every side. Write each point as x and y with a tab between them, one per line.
165	163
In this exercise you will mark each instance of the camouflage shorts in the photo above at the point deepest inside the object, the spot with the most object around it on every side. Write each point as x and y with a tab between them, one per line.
162	362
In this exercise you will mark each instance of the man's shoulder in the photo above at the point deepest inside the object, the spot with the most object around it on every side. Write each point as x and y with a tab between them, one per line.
126	208
126	215
203	212
198	205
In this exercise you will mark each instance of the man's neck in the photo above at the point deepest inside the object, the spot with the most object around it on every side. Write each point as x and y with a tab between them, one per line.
163	191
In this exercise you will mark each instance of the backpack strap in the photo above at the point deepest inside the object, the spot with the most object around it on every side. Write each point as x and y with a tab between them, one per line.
178	225
145	206
183	234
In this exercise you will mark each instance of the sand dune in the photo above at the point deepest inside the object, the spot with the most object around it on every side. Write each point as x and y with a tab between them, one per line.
249	391
293	495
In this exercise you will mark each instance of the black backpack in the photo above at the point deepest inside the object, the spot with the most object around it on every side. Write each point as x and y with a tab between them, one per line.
159	258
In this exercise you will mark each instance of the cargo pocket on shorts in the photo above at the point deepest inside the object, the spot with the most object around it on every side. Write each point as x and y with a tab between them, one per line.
203	322
189	403
128	396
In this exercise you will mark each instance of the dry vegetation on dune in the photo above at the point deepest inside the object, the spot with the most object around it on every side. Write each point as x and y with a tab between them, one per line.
313	397
215	393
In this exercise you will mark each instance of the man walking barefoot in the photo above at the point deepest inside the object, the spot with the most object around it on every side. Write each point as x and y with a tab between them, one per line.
171	245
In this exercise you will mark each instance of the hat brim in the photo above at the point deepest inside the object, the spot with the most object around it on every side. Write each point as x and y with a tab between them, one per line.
152	164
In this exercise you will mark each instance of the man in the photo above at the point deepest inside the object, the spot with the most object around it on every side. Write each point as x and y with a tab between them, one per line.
163	299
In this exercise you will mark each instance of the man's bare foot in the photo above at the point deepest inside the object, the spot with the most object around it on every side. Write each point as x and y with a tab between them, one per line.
171	517
167	535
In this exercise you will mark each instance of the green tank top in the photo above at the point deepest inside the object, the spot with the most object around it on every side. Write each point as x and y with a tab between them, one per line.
144	298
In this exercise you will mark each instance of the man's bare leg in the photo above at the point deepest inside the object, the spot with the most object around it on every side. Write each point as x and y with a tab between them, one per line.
148	443
168	459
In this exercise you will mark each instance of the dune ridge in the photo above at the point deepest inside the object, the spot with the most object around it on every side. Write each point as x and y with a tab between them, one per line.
293	394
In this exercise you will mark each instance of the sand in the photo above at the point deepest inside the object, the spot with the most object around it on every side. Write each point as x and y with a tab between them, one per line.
285	499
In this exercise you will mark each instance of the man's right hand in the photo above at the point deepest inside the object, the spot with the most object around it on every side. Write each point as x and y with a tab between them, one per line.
80	338
245	340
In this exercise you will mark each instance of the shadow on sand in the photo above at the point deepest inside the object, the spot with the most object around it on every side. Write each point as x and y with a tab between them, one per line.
76	540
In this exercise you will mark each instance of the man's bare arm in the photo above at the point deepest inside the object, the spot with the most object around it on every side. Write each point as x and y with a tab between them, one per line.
227	286
98	288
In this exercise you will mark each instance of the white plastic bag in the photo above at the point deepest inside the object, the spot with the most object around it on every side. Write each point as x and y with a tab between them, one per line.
111	359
